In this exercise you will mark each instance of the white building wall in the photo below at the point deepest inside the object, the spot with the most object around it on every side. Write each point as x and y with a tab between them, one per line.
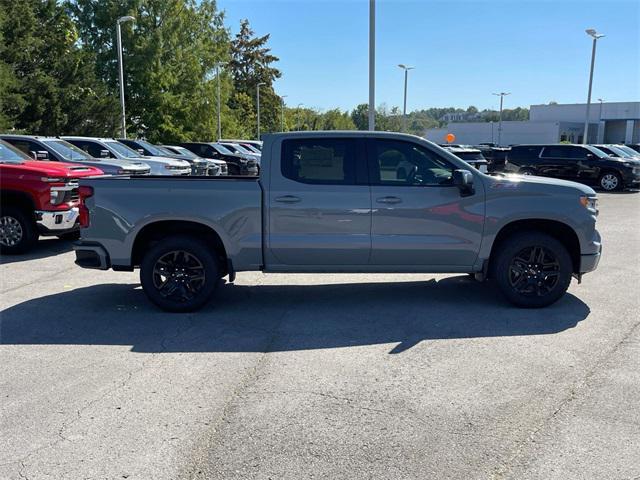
473	133
575	112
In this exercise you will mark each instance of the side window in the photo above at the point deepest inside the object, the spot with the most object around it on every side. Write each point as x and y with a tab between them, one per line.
26	146
576	153
320	161
554	152
91	148
407	164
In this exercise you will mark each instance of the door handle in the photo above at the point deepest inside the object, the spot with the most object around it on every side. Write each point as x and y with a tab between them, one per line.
388	200
287	199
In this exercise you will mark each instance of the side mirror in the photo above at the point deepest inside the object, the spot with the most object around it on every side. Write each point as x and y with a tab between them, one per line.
463	179
104	153
140	151
589	156
40	155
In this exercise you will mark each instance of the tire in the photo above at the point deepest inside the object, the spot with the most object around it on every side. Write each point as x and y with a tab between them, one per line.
184	259
18	232
532	269
71	236
610	181
526	171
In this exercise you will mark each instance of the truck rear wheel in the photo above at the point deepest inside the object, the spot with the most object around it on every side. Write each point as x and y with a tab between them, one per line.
179	274
17	231
532	269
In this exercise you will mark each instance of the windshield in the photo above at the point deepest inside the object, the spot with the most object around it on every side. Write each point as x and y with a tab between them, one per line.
251	148
182	151
596	151
222	149
66	150
625	151
151	148
122	150
8	153
240	148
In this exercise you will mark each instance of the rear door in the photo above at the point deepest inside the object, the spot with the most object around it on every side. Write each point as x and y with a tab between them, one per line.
555	162
319	204
418	216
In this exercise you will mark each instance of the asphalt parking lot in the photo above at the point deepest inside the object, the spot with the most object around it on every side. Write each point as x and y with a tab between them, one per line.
321	376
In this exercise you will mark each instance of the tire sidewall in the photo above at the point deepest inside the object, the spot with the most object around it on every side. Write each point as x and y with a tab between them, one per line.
195	247
29	233
514	245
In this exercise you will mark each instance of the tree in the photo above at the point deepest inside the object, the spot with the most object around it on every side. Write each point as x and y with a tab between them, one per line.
251	64
168	62
51	88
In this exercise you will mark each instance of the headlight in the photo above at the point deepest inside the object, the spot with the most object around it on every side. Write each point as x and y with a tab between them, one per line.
590	203
57	196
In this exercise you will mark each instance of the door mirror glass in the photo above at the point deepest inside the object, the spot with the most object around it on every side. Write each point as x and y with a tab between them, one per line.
463	179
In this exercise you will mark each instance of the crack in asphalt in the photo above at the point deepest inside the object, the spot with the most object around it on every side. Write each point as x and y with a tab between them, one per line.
119	384
571	395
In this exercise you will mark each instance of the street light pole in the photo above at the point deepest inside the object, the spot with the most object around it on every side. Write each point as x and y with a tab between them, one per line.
406	69
123	123
282	97
298	115
372	64
591	32
258	105
501	95
219	103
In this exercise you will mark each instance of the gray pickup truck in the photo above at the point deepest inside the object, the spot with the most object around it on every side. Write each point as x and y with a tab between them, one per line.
336	202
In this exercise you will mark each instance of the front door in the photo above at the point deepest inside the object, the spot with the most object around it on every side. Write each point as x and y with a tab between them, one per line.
418	216
555	162
319	204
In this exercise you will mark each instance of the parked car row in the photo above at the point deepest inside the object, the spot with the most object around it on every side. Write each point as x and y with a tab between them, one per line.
609	167
121	156
39	176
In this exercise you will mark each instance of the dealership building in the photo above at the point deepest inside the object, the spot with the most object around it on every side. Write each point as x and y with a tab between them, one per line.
613	122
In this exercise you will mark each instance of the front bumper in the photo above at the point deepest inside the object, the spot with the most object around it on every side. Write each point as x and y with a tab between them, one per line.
589	261
56	222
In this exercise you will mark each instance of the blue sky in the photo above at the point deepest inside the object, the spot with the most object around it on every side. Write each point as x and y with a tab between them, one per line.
462	50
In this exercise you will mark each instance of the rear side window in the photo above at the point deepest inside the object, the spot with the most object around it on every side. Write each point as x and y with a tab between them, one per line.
525	152
555	152
329	161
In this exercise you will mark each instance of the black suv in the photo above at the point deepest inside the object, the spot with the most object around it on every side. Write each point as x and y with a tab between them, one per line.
237	164
580	163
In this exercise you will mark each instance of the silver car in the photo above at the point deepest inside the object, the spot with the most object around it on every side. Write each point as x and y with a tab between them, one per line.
111	148
58	150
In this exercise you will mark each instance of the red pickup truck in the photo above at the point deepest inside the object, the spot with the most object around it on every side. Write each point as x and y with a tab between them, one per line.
37	198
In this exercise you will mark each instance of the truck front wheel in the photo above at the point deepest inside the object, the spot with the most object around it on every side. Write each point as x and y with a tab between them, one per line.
532	269
179	274
17	231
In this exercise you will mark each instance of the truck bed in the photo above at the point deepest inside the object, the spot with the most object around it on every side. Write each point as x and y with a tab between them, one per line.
122	207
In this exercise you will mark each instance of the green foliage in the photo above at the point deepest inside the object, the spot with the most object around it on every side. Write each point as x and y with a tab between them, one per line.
50	86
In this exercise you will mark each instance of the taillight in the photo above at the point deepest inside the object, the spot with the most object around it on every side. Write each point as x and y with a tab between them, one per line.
84	192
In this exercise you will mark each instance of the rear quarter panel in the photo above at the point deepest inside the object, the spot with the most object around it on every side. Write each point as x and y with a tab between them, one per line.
121	207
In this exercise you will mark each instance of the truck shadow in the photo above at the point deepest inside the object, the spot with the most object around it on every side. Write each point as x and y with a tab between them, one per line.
284	317
43	249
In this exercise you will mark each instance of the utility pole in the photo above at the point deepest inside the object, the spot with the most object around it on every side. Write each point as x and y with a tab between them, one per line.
123	121
406	69
501	95
282	112
372	64
219	103
258	105
592	33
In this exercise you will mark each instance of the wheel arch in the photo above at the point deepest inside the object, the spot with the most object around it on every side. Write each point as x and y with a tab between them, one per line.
16	198
562	232
155	231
